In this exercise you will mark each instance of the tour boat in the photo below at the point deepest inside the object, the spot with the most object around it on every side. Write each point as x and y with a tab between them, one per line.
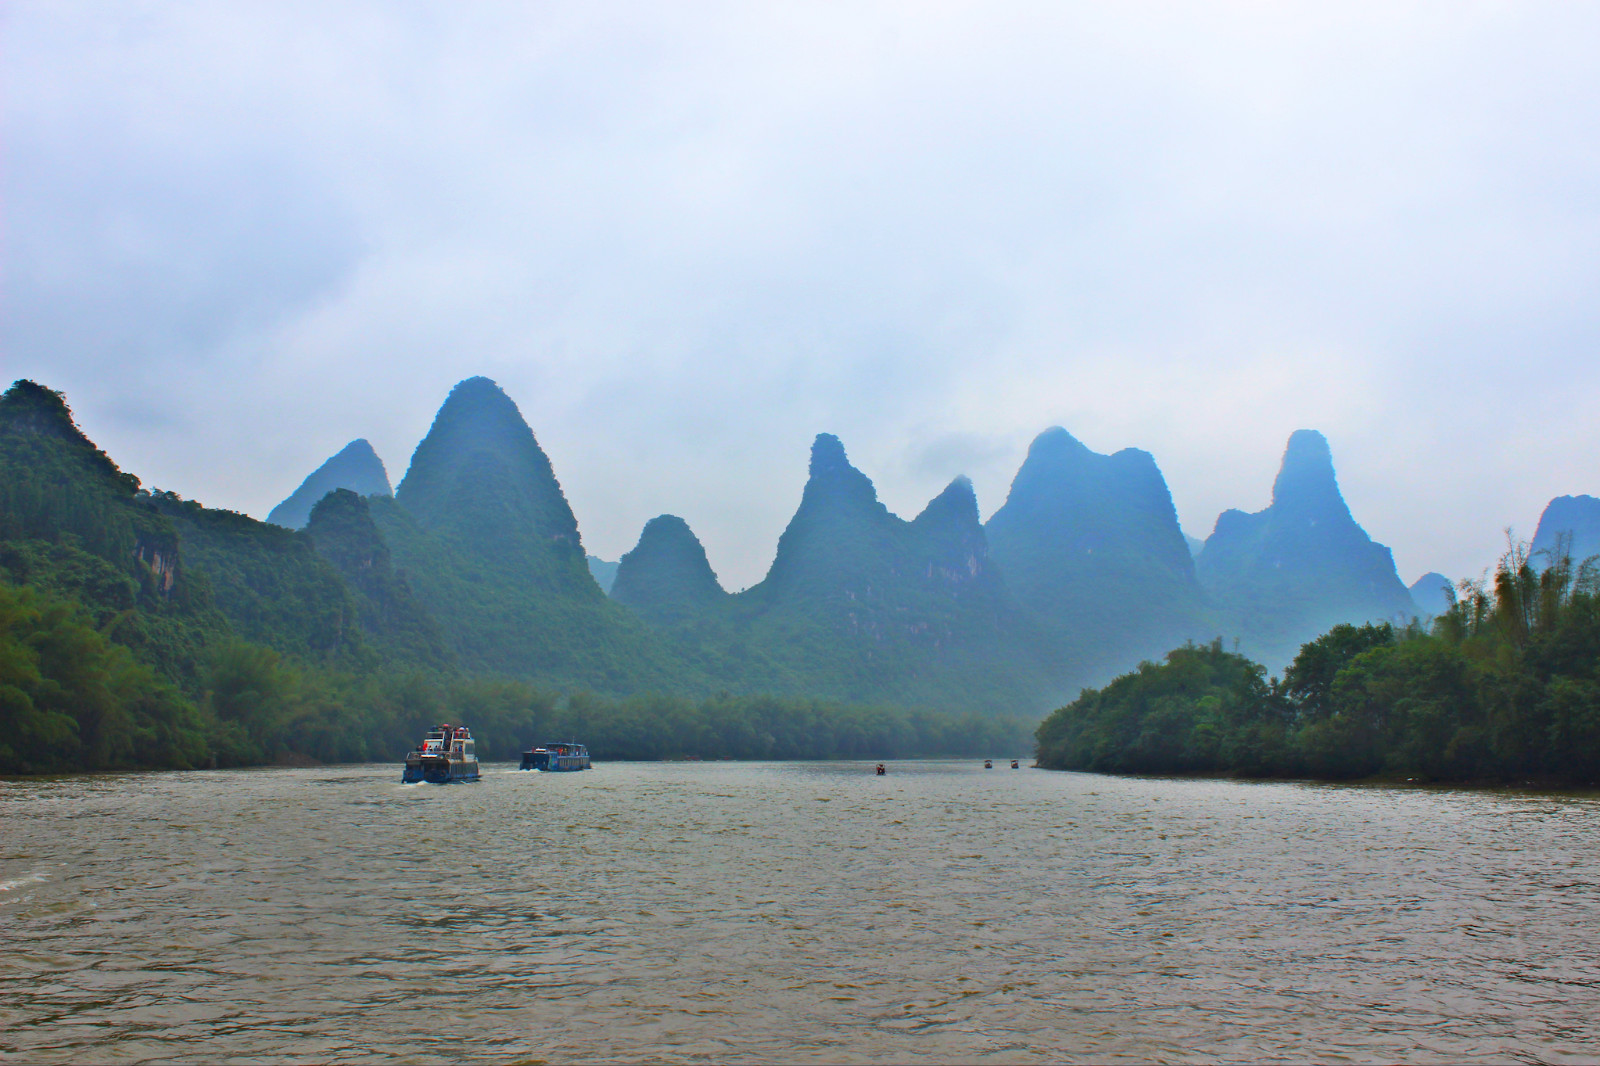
445	755
556	757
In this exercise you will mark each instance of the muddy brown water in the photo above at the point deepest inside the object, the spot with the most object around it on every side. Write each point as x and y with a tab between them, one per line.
791	912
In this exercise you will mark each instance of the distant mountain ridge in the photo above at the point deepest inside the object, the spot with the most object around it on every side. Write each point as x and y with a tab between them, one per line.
476	565
868	605
603	571
1571	523
1432	593
1090	545
356	467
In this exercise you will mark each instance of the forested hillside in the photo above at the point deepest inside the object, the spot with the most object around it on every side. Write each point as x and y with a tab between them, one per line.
1505	686
139	629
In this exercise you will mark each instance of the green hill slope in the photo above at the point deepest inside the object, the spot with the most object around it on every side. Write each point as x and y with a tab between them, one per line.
485	536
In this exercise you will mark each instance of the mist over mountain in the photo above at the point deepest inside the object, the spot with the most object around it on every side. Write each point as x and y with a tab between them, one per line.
1569	522
476	566
1090	546
1281	576
604	572
667	578
872	606
356	467
1432	593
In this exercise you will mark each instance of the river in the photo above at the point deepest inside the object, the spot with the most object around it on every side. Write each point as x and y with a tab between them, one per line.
689	912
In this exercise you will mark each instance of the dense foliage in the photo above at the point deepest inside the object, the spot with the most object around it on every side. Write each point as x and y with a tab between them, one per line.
1506	686
70	698
140	629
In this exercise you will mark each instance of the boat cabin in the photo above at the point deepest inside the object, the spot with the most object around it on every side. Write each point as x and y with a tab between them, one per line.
568	756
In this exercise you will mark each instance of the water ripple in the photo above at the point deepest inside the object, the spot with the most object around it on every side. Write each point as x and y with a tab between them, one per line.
791	912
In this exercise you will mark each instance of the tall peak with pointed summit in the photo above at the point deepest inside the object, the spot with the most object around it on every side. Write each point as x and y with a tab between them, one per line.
839	518
1306	480
480	478
1285	574
355	467
484	534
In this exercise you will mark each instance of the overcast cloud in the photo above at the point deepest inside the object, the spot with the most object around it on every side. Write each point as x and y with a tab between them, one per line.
686	238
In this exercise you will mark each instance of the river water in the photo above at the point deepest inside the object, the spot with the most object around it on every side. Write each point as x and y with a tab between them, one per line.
791	912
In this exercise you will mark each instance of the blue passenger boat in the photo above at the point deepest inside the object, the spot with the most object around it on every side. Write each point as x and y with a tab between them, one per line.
445	755
556	757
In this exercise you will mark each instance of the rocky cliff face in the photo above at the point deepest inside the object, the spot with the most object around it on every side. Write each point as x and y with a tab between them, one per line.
356	467
667	578
1287	574
56	485
1090	546
1569	523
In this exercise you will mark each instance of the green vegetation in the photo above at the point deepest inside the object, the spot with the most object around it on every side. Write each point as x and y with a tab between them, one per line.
70	698
1505	687
140	629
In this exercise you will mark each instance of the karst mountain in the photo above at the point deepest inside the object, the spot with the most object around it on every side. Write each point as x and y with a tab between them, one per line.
356	467
1281	576
1089	545
475	567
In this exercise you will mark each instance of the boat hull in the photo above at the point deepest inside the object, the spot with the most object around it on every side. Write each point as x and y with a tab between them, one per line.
440	771
558	764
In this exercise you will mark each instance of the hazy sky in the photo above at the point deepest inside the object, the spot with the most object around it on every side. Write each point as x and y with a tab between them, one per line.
687	237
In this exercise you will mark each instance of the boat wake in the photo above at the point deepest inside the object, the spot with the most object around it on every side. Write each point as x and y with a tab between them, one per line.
35	878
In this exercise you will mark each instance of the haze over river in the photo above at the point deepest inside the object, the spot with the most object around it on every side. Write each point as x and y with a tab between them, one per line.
792	912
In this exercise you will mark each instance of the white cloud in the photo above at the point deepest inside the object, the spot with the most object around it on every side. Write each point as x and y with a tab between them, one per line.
687	238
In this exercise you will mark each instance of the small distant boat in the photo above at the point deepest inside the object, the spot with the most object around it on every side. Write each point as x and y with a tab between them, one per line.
1014	765
988	764
445	755
558	758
